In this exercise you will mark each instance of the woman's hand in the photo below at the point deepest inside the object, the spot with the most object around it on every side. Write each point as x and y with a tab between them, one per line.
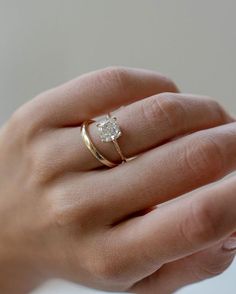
63	214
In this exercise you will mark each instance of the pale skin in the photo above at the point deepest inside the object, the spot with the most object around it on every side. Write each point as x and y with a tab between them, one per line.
64	215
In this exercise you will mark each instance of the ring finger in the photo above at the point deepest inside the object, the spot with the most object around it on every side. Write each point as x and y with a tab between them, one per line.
145	124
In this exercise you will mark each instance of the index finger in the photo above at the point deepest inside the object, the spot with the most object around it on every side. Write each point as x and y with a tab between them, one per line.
97	93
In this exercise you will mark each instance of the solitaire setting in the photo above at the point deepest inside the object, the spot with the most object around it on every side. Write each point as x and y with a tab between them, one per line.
108	129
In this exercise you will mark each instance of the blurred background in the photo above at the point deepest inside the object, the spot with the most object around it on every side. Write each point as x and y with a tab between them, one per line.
44	43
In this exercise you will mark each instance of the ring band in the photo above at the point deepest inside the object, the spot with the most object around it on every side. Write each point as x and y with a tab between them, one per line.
89	144
117	146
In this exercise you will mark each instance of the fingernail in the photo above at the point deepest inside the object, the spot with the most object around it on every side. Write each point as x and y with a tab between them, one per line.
230	244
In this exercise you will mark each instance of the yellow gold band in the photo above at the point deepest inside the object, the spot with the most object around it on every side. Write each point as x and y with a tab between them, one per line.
117	146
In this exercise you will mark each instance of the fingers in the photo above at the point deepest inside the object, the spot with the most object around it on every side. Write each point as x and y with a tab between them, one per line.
138	247
148	123
145	124
194	268
180	228
169	171
96	93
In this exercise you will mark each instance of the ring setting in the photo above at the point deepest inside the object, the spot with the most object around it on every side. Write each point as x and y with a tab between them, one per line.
108	129
109	132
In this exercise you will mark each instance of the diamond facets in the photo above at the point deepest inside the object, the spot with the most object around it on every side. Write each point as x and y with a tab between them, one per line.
108	129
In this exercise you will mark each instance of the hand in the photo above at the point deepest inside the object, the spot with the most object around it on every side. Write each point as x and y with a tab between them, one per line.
63	214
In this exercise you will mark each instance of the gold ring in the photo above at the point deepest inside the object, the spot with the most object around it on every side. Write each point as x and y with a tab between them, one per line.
109	131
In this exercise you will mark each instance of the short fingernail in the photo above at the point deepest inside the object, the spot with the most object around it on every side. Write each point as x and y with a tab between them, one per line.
230	244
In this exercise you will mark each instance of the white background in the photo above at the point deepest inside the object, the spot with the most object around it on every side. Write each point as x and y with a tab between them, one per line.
44	43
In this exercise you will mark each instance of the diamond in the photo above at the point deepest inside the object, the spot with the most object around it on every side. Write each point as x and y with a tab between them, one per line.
108	129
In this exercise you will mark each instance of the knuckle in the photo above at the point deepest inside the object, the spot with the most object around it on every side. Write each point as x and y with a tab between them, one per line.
69	206
19	121
204	157
211	263
202	223
63	213
213	269
40	161
115	75
106	264
219	110
18	118
166	108
107	269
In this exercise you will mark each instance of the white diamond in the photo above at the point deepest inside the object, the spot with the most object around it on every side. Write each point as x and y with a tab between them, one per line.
108	129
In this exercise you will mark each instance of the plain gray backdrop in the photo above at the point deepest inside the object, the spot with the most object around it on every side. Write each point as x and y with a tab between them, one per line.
44	43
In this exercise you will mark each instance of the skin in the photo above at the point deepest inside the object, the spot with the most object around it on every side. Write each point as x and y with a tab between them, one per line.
64	215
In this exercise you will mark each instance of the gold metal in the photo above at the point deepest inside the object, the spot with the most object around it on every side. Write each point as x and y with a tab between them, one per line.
117	146
89	144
